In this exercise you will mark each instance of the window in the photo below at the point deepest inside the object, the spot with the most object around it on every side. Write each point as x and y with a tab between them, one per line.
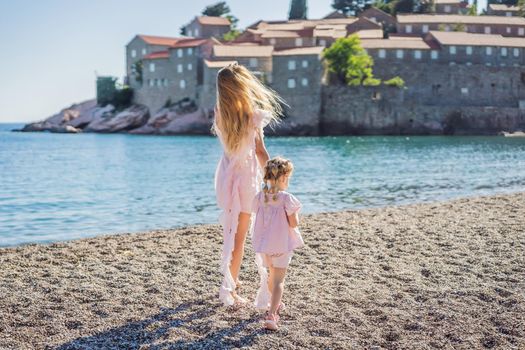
488	50
408	28
322	42
144	52
516	52
179	68
291	83
165	81
298	41
152	67
190	66
272	41
190	51
417	54
305	64
521	31
447	28
373	19
469	50
133	53
447	8
179	53
464	91
159	82
304	82
425	28
434	54
291	65
182	84
487	30
508	14
504	51
381	53
190	32
452	50
399	53
469	63
151	82
508	30
253	62
196	31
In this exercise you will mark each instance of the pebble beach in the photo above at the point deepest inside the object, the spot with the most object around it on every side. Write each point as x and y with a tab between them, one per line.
444	275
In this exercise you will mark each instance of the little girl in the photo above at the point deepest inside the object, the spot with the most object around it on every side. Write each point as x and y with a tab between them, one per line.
244	107
275	235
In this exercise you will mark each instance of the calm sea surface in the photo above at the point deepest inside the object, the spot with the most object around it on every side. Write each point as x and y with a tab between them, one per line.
58	187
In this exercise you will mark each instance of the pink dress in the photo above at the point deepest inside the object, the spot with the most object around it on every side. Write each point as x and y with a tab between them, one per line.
273	235
237	180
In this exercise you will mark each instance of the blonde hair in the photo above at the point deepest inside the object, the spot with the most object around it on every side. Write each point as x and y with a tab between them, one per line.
273	170
239	93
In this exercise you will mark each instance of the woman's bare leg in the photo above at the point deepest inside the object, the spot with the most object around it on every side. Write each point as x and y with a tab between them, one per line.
238	249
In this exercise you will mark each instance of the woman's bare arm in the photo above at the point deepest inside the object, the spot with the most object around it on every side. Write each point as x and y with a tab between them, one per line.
260	148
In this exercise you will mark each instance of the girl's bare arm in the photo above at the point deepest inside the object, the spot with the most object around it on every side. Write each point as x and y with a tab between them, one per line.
260	148
293	220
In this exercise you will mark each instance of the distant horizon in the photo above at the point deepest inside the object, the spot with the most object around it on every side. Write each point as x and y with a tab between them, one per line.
58	47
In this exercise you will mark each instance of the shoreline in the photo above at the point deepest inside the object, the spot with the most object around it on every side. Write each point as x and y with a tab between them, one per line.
434	274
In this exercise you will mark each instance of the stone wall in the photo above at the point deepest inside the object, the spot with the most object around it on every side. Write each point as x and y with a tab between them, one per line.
391	110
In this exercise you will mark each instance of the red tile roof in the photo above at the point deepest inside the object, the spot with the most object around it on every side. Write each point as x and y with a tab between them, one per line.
189	43
157	55
159	40
213	21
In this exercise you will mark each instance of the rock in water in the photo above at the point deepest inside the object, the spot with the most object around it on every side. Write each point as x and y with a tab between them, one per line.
131	118
168	122
70	119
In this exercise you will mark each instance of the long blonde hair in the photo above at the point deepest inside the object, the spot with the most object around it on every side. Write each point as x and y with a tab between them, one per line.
273	170
239	93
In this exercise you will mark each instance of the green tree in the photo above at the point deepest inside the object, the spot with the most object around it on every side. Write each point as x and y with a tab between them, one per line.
137	70
396	81
352	7
403	6
350	62
473	9
459	27
217	9
298	9
384	6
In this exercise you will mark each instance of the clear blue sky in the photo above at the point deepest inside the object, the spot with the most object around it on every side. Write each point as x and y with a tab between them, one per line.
51	49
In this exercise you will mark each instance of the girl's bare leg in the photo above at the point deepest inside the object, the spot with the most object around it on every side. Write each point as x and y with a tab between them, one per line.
238	249
277	275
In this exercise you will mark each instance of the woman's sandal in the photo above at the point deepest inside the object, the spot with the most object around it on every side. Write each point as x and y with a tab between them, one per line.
270	321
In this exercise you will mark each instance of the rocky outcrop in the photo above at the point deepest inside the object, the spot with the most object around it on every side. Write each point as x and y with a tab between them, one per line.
183	117
131	118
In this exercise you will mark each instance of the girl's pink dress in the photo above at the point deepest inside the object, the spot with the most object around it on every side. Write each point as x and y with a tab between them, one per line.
237	181
273	235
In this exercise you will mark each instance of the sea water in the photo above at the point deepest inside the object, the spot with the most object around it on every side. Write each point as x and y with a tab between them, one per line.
56	187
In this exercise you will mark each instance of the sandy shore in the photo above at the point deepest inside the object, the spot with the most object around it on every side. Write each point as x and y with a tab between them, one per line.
445	275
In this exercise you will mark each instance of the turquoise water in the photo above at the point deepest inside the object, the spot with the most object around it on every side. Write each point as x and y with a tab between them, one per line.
59	187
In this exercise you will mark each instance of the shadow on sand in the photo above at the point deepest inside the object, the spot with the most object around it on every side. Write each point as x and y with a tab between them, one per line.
153	333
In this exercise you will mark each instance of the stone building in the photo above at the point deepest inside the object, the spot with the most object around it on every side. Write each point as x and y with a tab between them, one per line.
503	10
378	16
257	58
451	7
207	27
173	74
297	77
416	24
141	46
